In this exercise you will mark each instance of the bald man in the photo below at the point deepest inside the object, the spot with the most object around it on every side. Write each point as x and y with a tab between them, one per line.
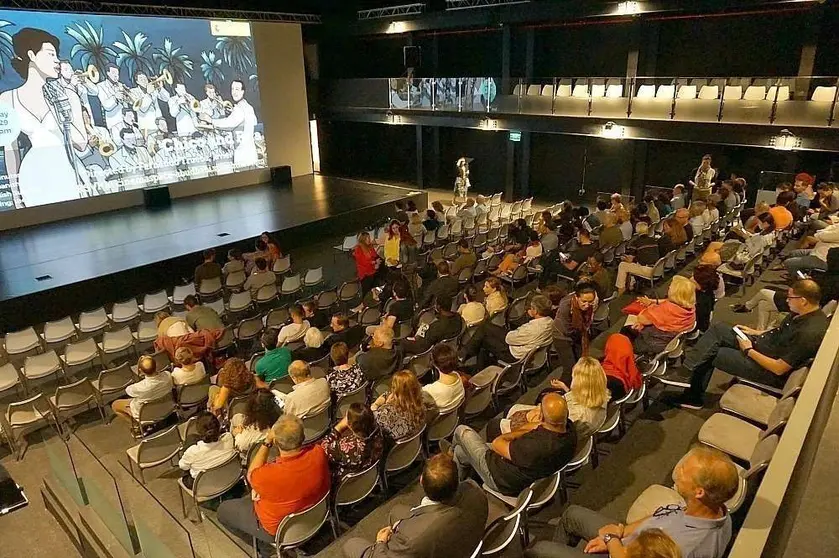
701	527
514	460
154	385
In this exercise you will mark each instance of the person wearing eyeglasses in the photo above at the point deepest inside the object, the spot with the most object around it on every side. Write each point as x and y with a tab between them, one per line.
764	356
705	478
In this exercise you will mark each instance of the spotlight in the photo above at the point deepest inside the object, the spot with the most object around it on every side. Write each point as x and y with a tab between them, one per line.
628	8
396	27
489	124
785	141
611	130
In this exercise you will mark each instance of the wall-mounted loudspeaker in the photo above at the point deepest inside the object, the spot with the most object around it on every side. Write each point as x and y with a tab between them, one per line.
156	198
281	176
412	56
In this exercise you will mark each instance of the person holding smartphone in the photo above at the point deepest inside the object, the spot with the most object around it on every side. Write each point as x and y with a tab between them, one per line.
764	356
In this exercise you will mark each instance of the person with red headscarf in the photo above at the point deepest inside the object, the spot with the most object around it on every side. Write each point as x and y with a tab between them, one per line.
803	188
622	374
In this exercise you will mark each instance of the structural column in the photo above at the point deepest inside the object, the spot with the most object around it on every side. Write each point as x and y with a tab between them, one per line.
420	179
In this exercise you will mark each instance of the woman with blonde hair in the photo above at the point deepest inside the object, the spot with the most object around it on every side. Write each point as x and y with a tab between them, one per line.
189	370
624	223
662	320
367	262
400	412
586	398
653	543
697	219
416	228
495	298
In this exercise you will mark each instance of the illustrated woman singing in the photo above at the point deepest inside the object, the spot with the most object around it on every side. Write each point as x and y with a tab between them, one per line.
51	121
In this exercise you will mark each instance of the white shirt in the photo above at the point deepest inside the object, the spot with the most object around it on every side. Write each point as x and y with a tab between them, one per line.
148	389
184	117
445	396
181	376
534	333
292	332
472	313
307	398
241	121
111	101
203	456
148	111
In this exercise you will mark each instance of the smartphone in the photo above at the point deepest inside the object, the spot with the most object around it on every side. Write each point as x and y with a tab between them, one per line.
11	496
739	333
563	256
800	274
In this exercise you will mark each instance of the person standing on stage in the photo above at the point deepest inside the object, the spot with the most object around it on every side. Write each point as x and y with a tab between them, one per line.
241	121
47	172
702	179
148	95
180	107
113	96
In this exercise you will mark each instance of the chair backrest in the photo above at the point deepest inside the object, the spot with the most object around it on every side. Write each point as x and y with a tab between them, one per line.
237	405
732	92
60	330
349	290
267	293
795	382
277	317
157	409
358	395
235	279
326	299
686	92
782	92
180	292
404	452
282	265
478	399
316	425
665	92
544	490
444	425
349	242
709	92
548	91
249	328
160	447
17	342
25	408
313	276
44	361
218	480
190	395
824	94
533	89
297	528
291	283
504	530
755	93
507	380
645	92
370	316
762	455
779	417
74	395
355	487
210	286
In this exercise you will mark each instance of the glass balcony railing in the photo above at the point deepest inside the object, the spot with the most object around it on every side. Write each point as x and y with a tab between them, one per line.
785	101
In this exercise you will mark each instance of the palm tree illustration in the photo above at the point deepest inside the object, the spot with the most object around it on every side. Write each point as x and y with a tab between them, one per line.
211	67
132	53
178	63
7	52
90	47
237	53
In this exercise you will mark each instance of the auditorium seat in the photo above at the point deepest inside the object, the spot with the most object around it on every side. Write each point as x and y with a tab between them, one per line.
10	378
210	289
56	333
23	417
756	405
181	292
112	382
154	451
665	92
291	285
402	455
72	399
614	89
124	312
354	488
40	367
781	91
517	90
548	91
298	528
824	94
755	93
732	93
152	413
20	343
598	88
80	354
534	90
686	92
709	92
282	265
580	89
155	302
739	438
501	533
211	484
646	92
116	342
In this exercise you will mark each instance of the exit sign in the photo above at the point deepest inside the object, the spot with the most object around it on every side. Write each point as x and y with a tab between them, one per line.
515	135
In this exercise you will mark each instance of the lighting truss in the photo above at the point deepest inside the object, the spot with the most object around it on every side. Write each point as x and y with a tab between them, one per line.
152	10
391	11
471	4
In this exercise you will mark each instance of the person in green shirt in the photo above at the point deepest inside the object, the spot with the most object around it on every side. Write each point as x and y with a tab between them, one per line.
274	363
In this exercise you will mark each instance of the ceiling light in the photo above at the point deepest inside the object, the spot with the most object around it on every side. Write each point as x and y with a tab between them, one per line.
785	141
489	124
396	27
611	130
628	8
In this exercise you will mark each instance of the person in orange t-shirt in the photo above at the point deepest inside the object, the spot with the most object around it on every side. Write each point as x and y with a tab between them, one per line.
779	212
297	480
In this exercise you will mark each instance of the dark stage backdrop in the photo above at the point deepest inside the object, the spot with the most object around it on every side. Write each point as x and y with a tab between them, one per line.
368	151
581	51
472	54
489	149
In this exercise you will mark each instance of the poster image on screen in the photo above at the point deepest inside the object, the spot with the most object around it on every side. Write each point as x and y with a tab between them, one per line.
97	104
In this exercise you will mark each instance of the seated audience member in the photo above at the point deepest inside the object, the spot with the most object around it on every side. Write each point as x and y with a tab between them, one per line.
713	203
449	521
233	380
652	209
296	329
495	297
803	188
532	452
188	369
823	206
678	200
400	412
625	224
682	216
309	395
234	263
209	269
354	444
764	356
416	228
640	214
645	251
548	236
697	219
783	217
472	311
602	208
170	326
273	365
343	377
662	320
617	203
447	325
518	235
313	348
212	449
342	332
562	263
465	258
706	281
443	285
382	358
200	317
813	251
154	385
398	308
439	211
586	399
468	213
572	323
259	277
598	274
490	339
260	251
297	480
653	543
314	315
447	392
252	426
611	234
431	223
662	202
273	247
705	478
622	374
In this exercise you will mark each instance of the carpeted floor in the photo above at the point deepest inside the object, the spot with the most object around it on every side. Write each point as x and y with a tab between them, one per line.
654	442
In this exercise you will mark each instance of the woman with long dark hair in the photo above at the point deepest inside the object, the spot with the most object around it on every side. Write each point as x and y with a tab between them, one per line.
50	119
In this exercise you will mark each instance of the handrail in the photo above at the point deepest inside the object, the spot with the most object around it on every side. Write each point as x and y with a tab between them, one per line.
761	518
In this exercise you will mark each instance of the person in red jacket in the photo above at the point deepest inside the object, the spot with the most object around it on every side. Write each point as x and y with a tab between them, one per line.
367	262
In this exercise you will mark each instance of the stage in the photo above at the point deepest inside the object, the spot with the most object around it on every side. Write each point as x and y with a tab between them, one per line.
90	261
